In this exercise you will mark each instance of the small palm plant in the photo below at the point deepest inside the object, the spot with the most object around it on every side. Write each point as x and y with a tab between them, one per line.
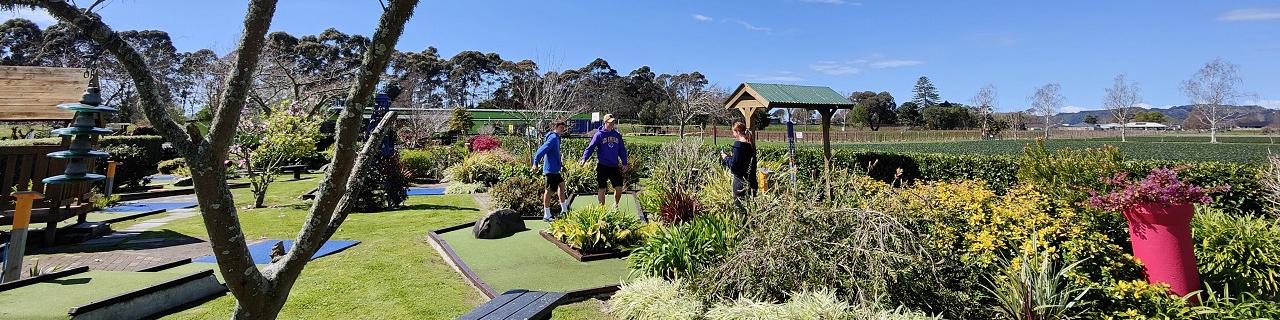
1035	287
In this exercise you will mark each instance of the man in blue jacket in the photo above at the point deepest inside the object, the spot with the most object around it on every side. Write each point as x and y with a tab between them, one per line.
611	161
550	152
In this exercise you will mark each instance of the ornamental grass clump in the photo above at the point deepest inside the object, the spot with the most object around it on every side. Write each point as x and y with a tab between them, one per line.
796	243
682	251
1160	187
654	298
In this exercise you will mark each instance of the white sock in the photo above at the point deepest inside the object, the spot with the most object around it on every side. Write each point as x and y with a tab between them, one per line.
546	211
564	206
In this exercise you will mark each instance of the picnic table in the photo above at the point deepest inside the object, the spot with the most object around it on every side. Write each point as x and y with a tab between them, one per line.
517	304
297	170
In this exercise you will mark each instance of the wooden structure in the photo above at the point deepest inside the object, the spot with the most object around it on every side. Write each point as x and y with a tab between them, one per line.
750	97
517	304
29	93
22	168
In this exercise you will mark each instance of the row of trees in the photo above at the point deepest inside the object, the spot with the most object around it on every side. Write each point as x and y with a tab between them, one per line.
313	72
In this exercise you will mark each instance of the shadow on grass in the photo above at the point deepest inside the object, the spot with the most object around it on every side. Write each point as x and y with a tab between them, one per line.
429	206
142	241
72	281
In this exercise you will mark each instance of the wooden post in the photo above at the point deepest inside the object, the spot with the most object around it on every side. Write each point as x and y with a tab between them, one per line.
18	237
111	178
826	114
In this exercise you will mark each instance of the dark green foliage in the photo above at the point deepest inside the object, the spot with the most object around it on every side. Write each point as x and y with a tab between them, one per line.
1240	252
996	163
383	178
522	194
137	157
681	251
430	162
176	166
460	122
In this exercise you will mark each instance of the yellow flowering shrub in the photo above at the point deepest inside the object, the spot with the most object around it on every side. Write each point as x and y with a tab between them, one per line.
966	222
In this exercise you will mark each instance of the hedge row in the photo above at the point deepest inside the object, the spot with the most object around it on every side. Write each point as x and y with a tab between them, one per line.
999	171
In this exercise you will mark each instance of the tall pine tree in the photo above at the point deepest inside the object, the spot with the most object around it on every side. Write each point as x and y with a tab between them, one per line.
926	95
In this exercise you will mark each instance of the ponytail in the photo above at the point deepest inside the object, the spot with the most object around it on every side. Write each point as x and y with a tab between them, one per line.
741	128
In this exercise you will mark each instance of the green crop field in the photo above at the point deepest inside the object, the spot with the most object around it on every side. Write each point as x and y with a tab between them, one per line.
1180	151
1243	149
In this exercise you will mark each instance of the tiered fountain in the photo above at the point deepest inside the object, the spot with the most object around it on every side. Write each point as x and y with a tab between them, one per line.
82	131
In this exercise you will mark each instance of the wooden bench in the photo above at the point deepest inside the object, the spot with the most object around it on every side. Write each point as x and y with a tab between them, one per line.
297	170
517	304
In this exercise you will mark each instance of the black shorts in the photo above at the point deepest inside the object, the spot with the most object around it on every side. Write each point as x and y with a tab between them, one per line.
553	181
608	174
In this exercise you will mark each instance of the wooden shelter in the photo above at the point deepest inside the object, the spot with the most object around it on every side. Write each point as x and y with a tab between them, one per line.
752	96
30	93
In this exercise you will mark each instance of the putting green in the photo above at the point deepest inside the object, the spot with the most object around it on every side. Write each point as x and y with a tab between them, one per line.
628	204
52	299
527	261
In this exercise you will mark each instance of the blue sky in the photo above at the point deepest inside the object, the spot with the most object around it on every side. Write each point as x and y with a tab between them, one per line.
845	44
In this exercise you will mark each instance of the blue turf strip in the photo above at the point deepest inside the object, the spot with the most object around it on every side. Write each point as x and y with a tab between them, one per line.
261	251
425	191
140	206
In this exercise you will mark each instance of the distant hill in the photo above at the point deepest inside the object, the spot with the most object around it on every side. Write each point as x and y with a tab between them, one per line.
1252	116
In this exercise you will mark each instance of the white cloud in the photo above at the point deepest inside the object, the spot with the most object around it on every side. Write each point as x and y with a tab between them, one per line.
1073	109
781	76
752	27
40	17
702	18
1265	103
875	61
836	67
885	64
1251	14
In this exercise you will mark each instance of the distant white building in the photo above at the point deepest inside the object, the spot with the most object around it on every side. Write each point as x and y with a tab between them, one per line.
1079	127
1136	125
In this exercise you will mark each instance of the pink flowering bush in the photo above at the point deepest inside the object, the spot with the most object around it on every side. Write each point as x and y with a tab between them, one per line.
484	143
1161	187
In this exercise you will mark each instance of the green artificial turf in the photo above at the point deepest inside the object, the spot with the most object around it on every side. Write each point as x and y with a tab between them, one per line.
51	299
525	260
628	204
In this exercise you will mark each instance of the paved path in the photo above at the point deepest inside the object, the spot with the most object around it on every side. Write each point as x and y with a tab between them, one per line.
140	246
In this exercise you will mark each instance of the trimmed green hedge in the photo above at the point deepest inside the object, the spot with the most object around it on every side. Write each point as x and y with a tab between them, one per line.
138	157
999	171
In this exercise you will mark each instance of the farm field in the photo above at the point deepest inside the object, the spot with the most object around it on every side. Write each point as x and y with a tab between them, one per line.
1243	149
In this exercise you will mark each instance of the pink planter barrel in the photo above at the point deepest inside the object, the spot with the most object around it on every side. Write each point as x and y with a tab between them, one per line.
1161	238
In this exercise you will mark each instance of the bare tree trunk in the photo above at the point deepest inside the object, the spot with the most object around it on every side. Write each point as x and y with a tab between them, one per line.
1046	127
1122	138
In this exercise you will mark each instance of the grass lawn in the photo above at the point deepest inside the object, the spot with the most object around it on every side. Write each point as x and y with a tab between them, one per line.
392	274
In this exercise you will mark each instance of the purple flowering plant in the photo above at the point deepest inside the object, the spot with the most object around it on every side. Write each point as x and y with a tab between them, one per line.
1161	187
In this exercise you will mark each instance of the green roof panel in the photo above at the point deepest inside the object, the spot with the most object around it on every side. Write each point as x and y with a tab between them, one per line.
794	94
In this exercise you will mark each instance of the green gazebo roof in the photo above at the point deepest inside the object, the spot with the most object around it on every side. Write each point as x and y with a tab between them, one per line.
772	95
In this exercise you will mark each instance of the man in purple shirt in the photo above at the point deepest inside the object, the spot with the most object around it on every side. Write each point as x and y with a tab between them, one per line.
611	159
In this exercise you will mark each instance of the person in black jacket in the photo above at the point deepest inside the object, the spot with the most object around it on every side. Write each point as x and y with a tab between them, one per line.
742	162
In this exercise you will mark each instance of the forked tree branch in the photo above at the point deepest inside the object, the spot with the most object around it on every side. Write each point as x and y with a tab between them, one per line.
227	116
334	186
